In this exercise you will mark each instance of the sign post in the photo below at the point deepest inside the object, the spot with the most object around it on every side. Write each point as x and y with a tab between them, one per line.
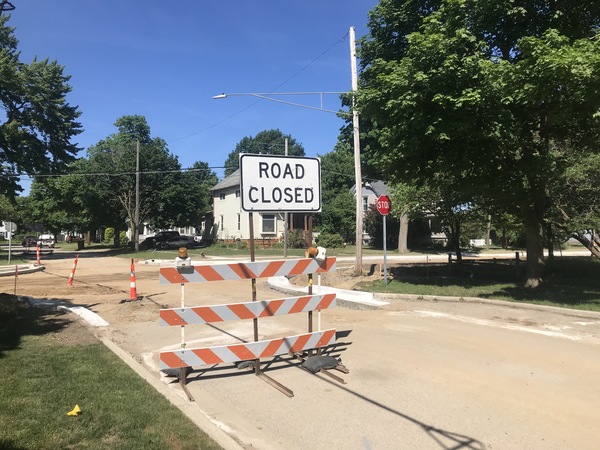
278	184
383	206
11	227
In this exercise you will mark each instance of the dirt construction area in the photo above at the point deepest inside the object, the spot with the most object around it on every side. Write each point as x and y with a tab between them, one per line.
422	374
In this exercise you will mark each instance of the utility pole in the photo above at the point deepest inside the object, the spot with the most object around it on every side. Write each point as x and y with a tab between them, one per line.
137	197
357	171
5	6
286	217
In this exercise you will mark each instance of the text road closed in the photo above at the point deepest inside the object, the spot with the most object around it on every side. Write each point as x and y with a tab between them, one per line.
280	183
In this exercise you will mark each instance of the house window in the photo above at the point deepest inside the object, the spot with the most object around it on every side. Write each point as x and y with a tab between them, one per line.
365	204
239	221
237	193
222	225
222	196
268	223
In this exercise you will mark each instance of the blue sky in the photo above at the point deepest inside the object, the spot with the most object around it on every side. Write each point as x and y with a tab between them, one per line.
166	60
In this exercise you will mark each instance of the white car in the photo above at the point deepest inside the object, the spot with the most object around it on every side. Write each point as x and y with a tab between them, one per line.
46	240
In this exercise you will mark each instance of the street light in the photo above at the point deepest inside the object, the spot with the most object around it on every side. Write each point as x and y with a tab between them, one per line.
270	95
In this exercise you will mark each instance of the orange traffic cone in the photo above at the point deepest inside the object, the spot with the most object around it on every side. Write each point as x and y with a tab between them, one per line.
70	282
132	287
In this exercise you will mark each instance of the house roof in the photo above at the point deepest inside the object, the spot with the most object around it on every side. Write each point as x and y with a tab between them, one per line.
227	182
378	187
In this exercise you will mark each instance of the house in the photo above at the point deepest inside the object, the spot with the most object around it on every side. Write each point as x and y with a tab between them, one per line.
231	223
371	191
425	230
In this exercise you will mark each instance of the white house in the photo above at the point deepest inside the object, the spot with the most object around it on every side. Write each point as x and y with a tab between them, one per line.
370	192
231	223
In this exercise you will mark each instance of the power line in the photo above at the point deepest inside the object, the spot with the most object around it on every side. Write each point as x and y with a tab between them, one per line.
339	41
108	174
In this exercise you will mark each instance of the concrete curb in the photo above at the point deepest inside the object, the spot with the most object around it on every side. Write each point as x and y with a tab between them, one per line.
440	298
24	269
344	297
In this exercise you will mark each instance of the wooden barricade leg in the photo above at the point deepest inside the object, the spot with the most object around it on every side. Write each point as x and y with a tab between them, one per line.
280	387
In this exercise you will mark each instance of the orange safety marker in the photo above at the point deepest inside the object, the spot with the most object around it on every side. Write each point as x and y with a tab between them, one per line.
247	351
132	286
250	310
37	252
70	282
248	270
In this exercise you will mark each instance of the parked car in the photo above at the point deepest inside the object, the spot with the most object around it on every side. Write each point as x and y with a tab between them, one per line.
46	240
178	242
161	236
29	241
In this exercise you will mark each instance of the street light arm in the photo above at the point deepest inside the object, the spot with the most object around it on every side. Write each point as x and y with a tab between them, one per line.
268	96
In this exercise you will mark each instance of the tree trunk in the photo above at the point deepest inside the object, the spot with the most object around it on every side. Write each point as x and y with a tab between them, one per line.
116	237
590	245
550	242
454	240
403	234
535	249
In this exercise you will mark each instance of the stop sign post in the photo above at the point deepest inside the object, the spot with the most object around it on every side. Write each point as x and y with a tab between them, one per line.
383	206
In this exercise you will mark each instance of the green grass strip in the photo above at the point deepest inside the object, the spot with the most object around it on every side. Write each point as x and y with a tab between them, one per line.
42	381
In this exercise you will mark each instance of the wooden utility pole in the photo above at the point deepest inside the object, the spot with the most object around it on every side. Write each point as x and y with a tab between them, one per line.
357	170
137	198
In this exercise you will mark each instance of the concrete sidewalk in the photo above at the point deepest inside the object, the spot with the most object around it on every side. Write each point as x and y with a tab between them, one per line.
348	298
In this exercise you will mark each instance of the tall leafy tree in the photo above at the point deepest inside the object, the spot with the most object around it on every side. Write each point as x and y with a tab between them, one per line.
267	142
475	97
112	169
337	178
37	123
60	203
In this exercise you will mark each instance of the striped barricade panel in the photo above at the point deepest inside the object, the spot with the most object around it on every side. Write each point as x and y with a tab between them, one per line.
249	310
246	351
247	270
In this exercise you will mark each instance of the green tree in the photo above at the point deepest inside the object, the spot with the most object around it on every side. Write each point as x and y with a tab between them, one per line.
267	142
198	181
38	122
112	168
339	206
474	100
60	203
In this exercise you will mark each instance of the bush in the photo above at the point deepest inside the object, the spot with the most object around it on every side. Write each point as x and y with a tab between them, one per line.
109	237
296	239
330	240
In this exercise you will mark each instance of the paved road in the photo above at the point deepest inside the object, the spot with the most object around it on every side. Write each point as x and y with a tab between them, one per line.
423	375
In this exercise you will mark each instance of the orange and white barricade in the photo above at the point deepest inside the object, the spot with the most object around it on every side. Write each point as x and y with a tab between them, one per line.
252	351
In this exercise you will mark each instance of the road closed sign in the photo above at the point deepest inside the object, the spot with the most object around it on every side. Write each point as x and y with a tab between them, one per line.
280	183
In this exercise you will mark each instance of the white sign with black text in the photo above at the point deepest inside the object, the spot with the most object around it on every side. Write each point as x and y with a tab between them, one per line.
280	183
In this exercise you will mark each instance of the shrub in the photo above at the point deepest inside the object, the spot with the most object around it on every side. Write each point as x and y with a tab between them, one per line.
330	240
295	239
109	235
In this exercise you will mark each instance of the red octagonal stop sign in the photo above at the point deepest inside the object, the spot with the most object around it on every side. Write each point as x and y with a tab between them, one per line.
384	205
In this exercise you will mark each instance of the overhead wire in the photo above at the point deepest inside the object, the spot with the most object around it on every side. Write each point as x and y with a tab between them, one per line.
214	125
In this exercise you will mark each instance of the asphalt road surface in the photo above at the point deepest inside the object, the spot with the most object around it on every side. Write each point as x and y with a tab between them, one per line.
422	375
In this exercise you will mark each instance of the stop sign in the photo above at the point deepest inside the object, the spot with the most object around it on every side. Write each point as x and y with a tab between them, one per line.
384	205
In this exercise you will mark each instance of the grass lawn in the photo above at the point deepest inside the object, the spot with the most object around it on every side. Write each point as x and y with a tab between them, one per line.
45	374
571	282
